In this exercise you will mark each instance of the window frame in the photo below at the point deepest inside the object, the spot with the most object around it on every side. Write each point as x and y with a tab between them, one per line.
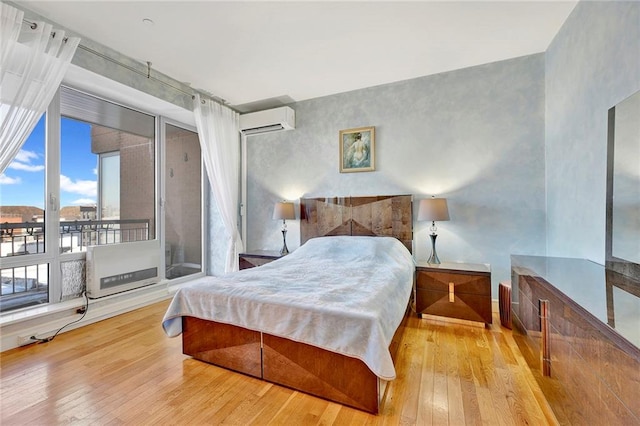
52	255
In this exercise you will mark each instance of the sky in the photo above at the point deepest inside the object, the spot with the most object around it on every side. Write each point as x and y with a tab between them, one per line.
23	182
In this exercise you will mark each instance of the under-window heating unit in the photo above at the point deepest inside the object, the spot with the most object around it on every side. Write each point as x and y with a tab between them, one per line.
115	268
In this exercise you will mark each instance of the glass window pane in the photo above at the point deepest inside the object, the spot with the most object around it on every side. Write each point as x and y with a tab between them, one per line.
137	187
110	186
22	198
107	182
24	286
78	183
183	231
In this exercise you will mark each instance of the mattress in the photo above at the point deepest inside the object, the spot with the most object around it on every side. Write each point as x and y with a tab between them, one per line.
345	294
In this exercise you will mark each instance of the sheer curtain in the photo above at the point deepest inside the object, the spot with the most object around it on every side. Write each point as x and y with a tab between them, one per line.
218	129
35	58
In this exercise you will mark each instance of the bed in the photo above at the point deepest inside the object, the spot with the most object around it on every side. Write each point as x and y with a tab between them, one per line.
312	320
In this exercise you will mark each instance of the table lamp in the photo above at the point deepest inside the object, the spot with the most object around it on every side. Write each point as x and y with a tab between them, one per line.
433	209
284	210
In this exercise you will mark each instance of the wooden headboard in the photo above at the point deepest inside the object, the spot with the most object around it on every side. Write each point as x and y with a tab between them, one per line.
387	215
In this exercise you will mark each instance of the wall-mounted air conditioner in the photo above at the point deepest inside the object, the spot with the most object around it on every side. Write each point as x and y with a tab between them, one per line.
270	120
114	268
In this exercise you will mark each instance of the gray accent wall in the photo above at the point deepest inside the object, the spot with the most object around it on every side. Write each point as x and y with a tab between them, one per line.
474	136
592	64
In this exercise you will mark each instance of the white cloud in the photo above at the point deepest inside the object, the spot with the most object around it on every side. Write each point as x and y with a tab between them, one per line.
95	171
23	162
88	188
26	167
6	180
84	202
26	156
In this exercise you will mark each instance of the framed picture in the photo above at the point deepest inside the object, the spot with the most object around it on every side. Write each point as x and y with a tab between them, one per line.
357	150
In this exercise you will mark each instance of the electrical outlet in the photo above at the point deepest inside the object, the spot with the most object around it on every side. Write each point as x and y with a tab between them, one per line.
25	340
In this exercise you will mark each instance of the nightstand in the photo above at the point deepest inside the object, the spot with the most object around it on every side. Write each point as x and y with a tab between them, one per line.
454	290
257	258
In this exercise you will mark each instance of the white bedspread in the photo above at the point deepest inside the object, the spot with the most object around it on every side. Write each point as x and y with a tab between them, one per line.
343	294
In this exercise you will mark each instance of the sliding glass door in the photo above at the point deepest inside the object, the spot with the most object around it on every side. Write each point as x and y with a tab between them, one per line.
183	202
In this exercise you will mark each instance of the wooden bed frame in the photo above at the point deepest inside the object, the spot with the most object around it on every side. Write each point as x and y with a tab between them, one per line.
299	366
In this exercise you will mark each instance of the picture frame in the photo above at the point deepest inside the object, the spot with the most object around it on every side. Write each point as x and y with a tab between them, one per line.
357	149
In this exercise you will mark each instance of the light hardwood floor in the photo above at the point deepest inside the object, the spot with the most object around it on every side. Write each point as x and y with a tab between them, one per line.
125	370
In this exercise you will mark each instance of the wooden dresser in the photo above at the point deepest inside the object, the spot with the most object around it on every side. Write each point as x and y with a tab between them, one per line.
454	290
257	258
590	372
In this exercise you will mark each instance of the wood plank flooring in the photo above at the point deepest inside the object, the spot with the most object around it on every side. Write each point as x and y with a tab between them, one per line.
126	371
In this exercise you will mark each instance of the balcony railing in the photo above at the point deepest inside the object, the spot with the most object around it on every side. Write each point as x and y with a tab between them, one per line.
26	285
76	235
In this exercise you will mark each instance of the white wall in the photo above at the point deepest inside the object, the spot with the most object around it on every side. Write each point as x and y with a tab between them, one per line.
475	136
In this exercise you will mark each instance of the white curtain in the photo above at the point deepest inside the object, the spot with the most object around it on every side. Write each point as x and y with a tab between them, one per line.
218	130
35	58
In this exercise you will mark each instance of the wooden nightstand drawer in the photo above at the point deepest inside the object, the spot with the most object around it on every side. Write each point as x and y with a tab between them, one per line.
468	283
454	290
257	258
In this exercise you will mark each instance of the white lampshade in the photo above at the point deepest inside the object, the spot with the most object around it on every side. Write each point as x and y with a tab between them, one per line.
284	210
433	209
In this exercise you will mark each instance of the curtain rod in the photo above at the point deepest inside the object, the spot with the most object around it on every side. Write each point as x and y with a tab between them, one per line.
34	25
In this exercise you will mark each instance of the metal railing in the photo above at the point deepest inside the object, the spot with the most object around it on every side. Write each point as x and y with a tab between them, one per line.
75	235
79	234
21	238
24	286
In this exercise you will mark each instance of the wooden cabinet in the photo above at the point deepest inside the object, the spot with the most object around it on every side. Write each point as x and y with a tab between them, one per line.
257	258
455	290
591	372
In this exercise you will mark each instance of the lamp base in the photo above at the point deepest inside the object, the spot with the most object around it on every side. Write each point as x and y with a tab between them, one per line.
284	250
434	256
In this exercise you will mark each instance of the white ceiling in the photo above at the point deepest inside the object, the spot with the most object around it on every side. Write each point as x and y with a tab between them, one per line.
252	53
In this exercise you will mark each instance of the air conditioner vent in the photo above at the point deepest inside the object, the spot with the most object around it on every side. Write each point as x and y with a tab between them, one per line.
271	120
264	129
